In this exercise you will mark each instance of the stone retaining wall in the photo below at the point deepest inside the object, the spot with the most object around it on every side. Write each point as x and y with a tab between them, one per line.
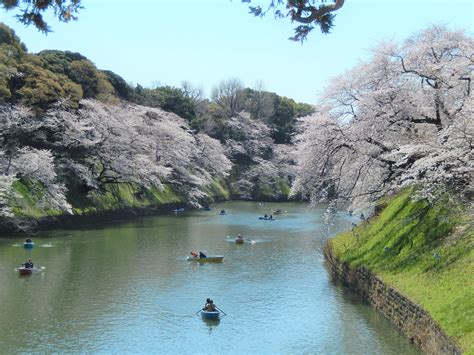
407	316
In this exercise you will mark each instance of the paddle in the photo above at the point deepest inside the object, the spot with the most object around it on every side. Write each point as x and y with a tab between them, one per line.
221	310
198	311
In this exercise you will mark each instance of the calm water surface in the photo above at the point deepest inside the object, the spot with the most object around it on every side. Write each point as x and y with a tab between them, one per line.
129	288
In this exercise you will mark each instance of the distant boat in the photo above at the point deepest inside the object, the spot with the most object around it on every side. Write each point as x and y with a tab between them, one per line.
279	211
223	212
239	240
207	208
28	244
207	259
178	210
267	218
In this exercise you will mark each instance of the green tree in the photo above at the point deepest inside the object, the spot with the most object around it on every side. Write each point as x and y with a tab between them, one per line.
169	99
284	118
94	83
310	13
31	11
41	88
59	61
122	89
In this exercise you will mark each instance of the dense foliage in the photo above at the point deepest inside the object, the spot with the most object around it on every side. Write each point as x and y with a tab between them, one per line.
74	138
405	117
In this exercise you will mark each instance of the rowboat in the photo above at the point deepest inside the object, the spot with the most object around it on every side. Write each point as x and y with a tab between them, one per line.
28	245
239	240
214	315
279	211
27	271
178	210
266	219
207	259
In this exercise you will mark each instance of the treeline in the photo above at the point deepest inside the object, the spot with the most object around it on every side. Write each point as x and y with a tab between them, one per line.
79	140
41	80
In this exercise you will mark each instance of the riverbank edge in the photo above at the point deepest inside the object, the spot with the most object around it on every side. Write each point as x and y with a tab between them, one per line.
411	319
69	221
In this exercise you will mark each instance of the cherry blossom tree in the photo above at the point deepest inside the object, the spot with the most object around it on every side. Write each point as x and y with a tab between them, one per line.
102	144
402	118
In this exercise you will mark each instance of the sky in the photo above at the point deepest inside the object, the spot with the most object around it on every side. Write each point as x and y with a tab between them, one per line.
163	42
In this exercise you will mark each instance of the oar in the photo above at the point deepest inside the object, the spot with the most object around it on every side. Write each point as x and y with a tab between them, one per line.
198	311
221	310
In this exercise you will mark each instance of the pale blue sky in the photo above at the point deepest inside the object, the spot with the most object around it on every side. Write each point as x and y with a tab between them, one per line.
205	41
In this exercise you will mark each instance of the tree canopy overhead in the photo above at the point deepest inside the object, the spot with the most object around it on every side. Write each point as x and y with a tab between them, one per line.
32	11
310	13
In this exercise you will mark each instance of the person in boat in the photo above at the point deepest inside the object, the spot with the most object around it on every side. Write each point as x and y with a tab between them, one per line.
265	216
194	254
223	212
240	238
29	264
202	255
209	306
28	240
271	217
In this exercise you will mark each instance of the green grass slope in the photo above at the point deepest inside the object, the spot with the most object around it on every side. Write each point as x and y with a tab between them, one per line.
426	253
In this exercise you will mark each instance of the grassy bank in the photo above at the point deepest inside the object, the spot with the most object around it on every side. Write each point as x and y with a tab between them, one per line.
426	253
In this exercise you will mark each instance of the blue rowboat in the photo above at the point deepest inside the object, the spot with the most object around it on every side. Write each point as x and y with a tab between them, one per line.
207	259
266	219
214	315
28	245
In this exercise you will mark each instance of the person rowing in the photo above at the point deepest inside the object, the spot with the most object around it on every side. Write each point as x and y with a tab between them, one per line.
209	306
239	239
28	265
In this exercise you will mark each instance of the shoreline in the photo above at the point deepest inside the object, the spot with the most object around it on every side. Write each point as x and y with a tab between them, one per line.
411	319
71	221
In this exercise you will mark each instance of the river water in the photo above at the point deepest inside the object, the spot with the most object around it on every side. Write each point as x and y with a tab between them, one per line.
128	288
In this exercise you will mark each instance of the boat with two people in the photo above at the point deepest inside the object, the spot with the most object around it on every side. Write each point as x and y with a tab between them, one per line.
267	218
223	212
203	258
210	311
28	244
